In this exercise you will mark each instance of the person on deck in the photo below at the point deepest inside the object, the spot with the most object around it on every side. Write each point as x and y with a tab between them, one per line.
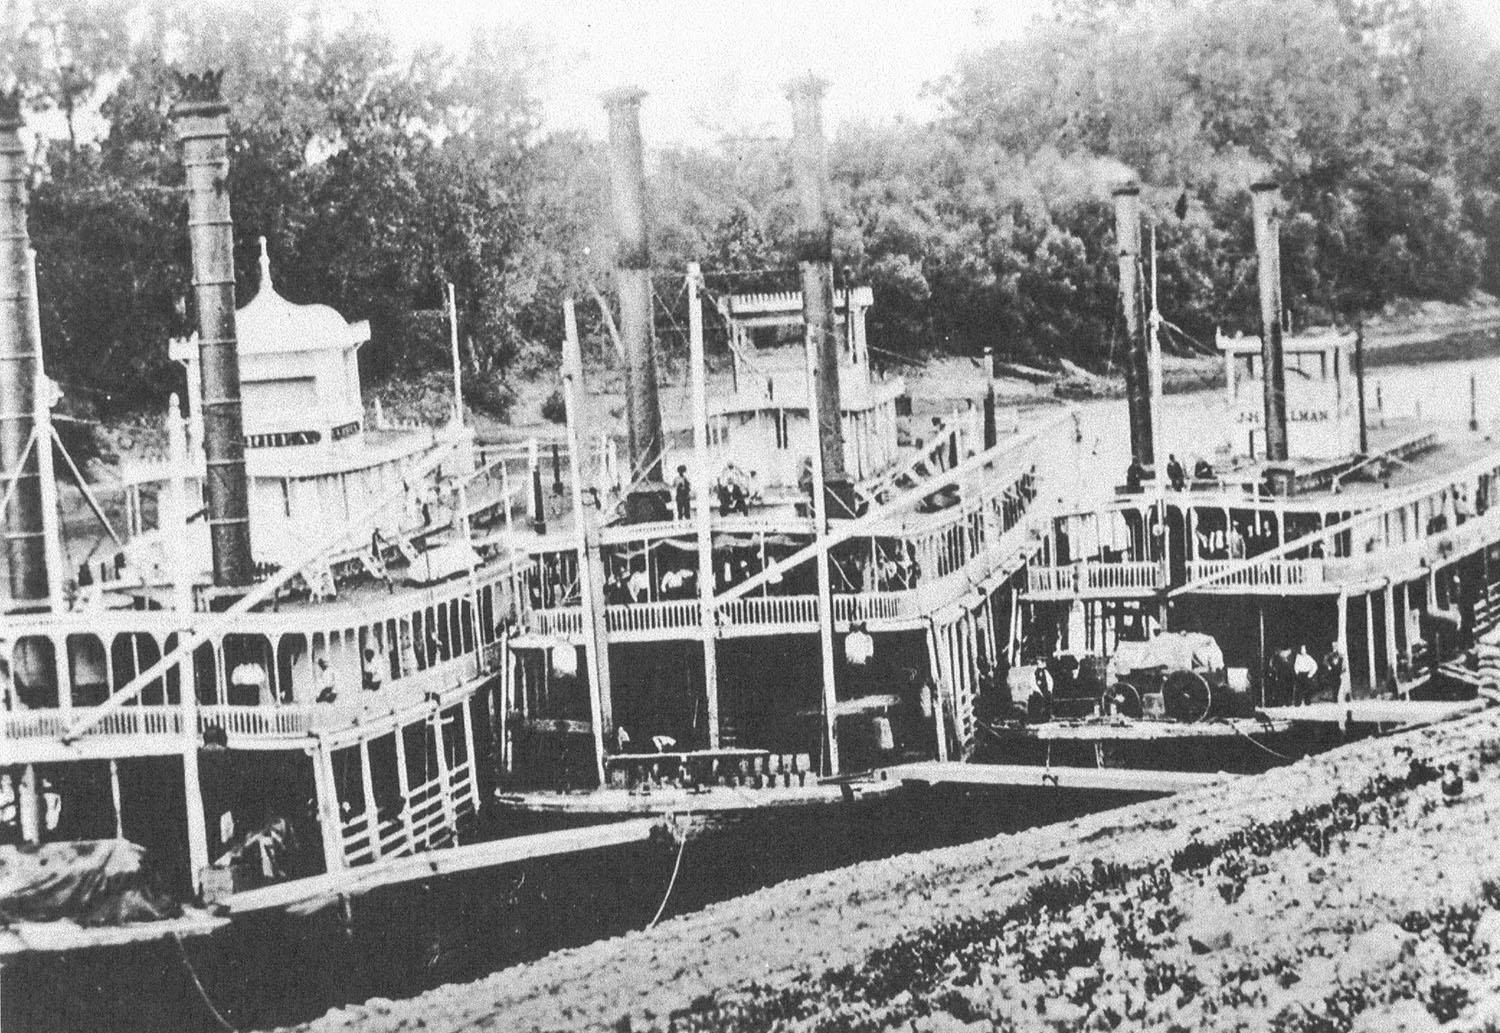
1135	474
1203	470
1305	674
371	674
682	492
1176	474
245	684
323	681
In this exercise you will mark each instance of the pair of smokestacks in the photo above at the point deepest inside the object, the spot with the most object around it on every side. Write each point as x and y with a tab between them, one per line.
201	118
1265	197
647	499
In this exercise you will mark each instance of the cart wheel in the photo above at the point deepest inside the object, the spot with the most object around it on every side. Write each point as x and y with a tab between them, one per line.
1122	699
1187	696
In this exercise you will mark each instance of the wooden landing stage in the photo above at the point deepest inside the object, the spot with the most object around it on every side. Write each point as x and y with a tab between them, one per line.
1026	776
675	800
1376	712
66	935
317	891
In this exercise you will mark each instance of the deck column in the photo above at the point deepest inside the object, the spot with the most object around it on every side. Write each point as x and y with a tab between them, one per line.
935	663
445	791
330	821
466	716
1345	685
367	784
403	785
1390	629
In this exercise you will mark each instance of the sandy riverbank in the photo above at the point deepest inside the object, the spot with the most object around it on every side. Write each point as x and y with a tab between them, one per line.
1350	891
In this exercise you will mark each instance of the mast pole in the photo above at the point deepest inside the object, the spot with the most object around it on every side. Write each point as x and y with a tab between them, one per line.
590	564
825	584
458	376
1160	470
42	421
702	506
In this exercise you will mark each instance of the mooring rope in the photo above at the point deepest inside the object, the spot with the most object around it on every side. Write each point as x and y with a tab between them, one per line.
1240	731
676	867
224	1023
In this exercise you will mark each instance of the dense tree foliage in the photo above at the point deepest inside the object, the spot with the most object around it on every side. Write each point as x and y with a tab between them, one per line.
379	174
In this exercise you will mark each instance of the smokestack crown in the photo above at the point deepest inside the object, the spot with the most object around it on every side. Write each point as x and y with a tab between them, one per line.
1129	188
623	96
199	94
1260	186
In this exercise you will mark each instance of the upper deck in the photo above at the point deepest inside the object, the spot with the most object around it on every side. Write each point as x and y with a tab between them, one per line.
1421	498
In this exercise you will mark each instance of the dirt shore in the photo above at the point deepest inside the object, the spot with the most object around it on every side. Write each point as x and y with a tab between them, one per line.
1358	890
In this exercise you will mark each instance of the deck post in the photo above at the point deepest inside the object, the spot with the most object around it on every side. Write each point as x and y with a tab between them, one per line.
29	805
1345	685
330	822
114	795
403	785
1390	629
1370	639
445	789
367	786
702	505
466	716
935	664
590	562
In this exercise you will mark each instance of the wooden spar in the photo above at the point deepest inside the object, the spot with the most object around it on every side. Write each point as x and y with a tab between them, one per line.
445	861
590	563
182	602
1018	775
811	342
42	422
458	375
702	505
847	529
225	620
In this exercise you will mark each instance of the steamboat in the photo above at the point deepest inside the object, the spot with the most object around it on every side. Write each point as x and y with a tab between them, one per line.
1304	564
329	654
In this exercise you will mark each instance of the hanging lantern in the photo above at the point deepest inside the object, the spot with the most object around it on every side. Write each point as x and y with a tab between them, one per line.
859	646
564	660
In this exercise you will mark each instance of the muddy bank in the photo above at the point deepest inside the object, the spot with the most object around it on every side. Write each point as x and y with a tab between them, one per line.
1350	891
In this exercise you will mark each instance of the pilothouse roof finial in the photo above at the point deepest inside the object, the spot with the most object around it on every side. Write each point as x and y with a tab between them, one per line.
265	267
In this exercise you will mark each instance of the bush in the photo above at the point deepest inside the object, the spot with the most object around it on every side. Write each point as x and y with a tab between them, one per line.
554	409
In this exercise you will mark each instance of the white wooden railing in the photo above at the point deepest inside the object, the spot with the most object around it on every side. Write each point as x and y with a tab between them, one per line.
1089	578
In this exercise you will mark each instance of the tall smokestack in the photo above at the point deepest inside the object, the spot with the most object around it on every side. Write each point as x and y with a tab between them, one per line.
647	499
201	118
1137	348
1266	198
25	546
815	259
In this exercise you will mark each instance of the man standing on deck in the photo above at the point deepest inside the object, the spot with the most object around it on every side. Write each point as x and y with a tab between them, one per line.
1305	674
682	491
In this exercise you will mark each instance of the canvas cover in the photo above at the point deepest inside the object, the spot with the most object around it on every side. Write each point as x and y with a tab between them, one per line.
92	882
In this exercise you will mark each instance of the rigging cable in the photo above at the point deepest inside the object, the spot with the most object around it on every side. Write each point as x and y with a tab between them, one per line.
224	1023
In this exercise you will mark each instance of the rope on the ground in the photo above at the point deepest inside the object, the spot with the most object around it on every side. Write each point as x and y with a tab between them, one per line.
1240	731
224	1023
676	867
